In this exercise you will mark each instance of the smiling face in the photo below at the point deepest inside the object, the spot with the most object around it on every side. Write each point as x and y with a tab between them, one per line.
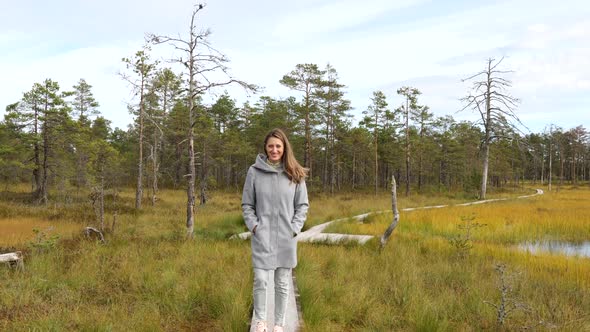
274	149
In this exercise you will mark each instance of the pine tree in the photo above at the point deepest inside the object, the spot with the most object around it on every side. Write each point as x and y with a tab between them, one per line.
143	67
306	78
373	120
410	105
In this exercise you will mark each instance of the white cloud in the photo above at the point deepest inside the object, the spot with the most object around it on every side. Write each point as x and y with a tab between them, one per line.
538	28
335	16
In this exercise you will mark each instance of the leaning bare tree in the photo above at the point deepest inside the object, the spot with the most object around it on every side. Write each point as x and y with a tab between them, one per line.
496	107
200	61
395	220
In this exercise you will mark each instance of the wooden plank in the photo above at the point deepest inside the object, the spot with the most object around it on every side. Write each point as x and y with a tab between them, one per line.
292	318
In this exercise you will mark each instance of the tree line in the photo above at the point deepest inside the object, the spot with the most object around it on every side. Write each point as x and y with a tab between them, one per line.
56	140
53	138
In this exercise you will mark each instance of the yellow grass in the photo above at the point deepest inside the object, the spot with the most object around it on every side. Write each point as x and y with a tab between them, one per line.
419	283
432	288
563	215
17	231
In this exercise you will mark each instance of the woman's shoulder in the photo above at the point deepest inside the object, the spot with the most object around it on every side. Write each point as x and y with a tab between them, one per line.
251	169
254	169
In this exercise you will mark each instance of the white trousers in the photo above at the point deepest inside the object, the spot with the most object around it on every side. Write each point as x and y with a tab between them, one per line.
281	280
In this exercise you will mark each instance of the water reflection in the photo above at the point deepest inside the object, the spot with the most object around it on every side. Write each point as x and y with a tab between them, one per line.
557	247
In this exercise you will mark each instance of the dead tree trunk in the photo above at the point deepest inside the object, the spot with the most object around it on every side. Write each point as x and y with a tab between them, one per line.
495	107
395	221
190	189
200	60
91	232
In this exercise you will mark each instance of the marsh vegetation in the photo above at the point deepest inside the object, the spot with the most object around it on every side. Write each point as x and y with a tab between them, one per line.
149	277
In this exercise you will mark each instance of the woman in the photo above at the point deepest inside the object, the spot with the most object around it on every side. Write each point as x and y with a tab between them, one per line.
274	205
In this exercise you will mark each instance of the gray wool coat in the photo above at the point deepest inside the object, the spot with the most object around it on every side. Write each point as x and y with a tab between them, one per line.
278	207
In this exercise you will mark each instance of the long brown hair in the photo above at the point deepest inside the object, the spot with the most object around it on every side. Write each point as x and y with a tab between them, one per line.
294	170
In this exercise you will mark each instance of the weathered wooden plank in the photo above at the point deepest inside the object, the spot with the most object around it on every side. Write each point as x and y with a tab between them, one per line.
11	257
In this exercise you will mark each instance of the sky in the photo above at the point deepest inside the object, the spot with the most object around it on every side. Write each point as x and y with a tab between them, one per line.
373	45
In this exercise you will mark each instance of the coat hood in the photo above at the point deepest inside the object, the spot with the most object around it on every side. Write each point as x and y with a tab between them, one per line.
262	164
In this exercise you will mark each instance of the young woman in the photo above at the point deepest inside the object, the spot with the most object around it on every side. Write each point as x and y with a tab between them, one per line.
274	205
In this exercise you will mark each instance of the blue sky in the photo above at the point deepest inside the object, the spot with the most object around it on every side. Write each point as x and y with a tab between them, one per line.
373	44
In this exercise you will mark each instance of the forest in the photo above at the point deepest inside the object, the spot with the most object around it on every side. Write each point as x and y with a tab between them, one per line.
55	138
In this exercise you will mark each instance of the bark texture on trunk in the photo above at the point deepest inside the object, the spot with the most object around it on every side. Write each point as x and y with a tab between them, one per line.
395	220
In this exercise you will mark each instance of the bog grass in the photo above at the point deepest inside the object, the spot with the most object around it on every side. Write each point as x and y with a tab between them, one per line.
16	231
146	278
425	283
559	215
149	278
419	284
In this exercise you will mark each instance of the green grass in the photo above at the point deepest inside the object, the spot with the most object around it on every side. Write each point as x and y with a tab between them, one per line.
149	278
146	278
132	285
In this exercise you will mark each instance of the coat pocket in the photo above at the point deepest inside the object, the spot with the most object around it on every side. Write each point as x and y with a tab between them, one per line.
260	239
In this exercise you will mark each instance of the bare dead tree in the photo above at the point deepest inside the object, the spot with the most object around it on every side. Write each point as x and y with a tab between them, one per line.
200	61
395	221
91	232
490	99
508	302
